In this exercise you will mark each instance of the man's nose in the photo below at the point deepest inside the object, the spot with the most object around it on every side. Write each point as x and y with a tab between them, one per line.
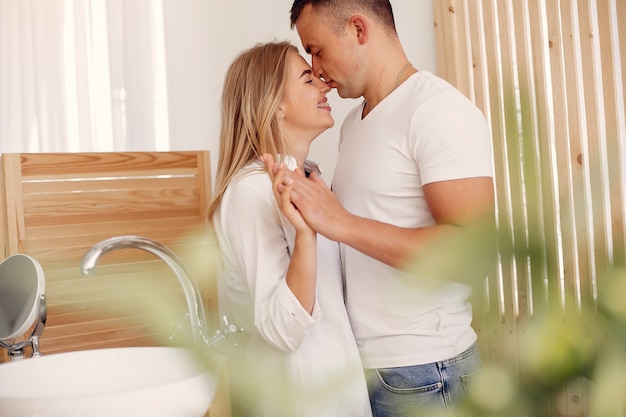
317	68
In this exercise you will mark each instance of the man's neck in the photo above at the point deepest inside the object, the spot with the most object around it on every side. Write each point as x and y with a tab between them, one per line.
387	87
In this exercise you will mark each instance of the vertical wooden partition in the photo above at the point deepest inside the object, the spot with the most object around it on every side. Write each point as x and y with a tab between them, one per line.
550	76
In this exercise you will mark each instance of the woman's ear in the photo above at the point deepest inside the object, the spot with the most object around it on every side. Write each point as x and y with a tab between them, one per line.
280	112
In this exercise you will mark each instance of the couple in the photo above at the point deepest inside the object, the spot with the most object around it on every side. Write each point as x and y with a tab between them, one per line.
330	323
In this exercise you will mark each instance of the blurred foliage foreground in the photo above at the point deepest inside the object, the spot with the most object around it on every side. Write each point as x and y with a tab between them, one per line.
569	361
571	349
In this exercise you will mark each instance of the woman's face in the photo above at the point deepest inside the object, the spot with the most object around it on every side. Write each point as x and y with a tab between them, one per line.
304	111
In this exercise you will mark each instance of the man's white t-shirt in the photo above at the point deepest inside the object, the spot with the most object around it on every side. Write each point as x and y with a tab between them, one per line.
424	131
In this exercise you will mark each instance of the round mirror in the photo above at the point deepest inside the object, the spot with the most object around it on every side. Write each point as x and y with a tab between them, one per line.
21	285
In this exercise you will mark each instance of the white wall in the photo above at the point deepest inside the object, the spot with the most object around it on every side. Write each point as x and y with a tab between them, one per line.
203	36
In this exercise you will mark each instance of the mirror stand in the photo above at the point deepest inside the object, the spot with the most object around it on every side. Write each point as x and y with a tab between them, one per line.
16	350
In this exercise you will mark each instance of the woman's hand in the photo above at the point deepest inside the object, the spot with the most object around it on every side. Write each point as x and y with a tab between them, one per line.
282	193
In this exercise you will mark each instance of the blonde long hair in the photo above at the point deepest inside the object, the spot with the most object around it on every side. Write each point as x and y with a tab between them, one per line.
253	88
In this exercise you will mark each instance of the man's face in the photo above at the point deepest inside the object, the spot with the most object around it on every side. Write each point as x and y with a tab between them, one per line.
333	56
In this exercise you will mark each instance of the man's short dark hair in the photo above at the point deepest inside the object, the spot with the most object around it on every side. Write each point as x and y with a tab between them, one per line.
338	11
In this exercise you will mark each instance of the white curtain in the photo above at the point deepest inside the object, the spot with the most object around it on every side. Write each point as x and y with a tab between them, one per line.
82	75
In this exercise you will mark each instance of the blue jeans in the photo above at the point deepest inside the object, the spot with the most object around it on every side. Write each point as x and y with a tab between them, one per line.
432	387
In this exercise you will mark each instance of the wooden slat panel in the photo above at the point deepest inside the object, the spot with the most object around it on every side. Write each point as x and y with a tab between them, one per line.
83	213
112	334
614	117
498	306
75	289
486	307
442	35
3	217
479	56
110	339
106	164
105	229
596	163
576	135
61	256
505	179
12	191
563	161
450	15
620	18
171	234
149	203
59	205
531	157
42	186
544	139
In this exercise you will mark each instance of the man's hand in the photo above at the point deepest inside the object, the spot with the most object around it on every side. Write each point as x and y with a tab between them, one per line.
312	197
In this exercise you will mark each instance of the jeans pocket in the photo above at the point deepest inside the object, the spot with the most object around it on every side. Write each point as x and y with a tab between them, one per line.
468	379
399	381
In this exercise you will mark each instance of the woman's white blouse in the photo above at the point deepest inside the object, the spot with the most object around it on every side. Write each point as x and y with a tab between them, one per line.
311	350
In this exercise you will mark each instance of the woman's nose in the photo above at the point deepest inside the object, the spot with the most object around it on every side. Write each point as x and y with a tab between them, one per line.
325	88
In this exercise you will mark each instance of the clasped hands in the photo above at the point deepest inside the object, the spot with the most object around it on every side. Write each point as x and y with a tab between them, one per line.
307	200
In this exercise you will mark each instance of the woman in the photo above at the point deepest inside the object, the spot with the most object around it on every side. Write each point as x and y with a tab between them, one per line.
279	280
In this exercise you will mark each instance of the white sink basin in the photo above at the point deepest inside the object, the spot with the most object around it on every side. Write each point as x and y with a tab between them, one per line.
142	381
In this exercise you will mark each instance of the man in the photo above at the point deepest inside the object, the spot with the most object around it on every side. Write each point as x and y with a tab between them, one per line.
414	168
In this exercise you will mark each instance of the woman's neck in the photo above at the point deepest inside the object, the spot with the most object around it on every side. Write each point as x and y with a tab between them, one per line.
300	153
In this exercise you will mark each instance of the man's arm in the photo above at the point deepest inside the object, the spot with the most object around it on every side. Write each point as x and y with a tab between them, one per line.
456	206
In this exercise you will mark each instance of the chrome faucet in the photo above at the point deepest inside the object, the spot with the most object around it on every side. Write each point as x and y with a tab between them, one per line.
196	313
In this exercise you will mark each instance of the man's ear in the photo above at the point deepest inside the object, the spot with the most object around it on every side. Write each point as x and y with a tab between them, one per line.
360	25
